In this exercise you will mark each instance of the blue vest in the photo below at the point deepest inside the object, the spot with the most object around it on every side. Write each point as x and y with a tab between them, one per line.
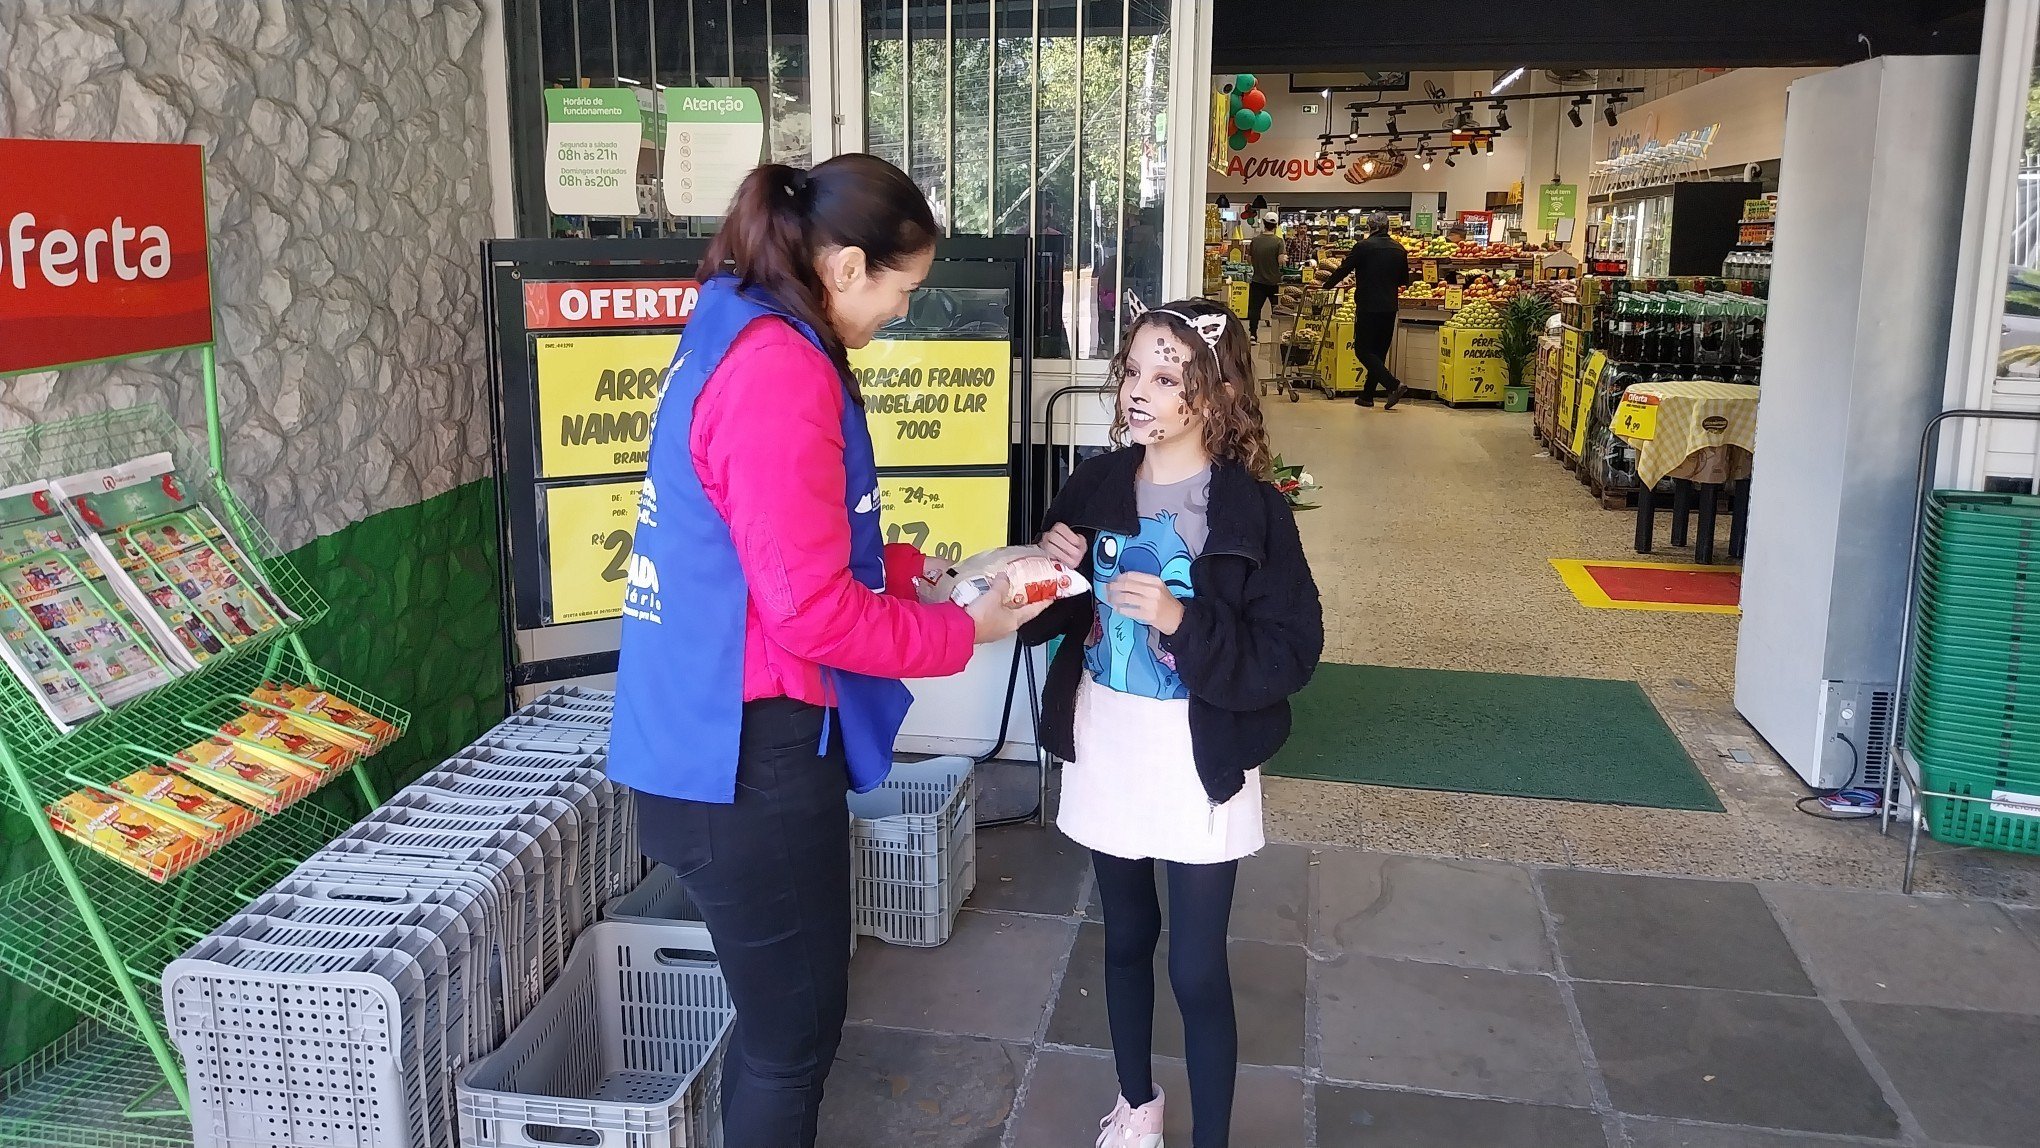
680	671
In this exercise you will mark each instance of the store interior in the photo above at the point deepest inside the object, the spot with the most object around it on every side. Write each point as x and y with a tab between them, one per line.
1621	221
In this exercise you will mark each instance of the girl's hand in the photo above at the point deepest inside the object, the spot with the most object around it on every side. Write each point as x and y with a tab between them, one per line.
996	621
1064	545
1146	599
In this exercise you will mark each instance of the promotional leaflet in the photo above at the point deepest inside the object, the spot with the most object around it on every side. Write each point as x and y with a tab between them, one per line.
198	590
73	634
198	811
242	774
130	834
355	727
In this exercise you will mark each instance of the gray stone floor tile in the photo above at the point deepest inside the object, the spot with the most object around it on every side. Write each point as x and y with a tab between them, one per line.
1667	931
1270	899
1026	869
992	979
1268	993
1381	1119
1069	1092
1452	911
1670	1134
1911	950
892	1088
1731	1058
2028	920
1473	1031
1969	1077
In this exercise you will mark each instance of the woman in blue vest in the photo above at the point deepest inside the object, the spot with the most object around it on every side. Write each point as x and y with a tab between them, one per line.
766	625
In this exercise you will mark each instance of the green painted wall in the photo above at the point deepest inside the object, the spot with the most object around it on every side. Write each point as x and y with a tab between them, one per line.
415	619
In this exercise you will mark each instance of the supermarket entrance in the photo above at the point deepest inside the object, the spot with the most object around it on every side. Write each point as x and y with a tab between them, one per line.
1534	563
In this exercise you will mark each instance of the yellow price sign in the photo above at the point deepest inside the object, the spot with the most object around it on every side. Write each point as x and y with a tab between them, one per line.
596	398
1430	270
1455	297
950	518
1590	386
1636	418
937	402
588	533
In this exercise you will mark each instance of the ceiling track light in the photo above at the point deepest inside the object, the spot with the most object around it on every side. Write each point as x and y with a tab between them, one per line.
1573	114
1608	113
1501	111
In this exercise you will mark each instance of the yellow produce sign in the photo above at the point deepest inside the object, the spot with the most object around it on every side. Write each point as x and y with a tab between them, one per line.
588	532
937	402
1636	418
948	518
596	395
1590	387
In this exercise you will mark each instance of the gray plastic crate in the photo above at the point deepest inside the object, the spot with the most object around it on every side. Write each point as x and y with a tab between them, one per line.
625	1051
659	899
915	839
290	1048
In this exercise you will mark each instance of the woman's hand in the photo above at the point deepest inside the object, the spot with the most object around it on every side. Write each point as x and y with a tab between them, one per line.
997	621
1146	599
1064	545
932	568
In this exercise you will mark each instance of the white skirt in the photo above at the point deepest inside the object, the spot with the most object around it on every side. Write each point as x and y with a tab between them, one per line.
1134	791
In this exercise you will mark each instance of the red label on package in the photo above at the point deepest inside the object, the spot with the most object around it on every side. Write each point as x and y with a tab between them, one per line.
102	251
559	305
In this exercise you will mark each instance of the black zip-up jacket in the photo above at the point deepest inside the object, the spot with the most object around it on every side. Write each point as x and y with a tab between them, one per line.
1380	269
1249	639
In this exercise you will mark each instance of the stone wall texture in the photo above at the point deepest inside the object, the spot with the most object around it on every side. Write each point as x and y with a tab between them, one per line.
348	185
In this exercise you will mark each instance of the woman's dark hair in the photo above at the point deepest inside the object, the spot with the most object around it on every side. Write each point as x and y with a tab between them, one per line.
783	217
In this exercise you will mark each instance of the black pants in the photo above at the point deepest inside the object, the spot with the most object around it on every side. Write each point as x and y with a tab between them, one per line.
771	875
1200	904
1258	296
1373	335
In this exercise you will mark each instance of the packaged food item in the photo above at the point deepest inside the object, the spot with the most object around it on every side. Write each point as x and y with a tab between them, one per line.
1031	576
340	720
295	745
126	832
243	774
168	794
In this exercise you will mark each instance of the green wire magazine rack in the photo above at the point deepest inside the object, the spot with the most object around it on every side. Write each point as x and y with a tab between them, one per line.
84	929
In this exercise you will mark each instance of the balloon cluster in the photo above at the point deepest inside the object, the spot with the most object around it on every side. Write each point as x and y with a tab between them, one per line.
1249	111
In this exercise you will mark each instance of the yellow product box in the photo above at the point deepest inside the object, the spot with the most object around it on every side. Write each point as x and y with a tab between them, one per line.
342	721
168	793
1470	367
128	833
243	774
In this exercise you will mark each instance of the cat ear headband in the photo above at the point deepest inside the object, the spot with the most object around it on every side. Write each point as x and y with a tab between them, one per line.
1208	327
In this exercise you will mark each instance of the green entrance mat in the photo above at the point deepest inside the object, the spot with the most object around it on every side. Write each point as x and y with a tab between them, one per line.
1572	739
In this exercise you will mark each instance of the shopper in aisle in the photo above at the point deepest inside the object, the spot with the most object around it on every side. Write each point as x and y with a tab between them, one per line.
1265	256
1171	687
1380	269
759	672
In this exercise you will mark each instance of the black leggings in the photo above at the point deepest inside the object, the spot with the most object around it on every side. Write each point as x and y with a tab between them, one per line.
1200	904
770	873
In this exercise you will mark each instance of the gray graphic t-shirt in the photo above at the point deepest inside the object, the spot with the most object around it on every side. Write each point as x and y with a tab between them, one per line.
1123	654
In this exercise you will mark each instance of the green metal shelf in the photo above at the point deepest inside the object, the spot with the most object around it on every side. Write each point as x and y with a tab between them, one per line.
91	1088
44	942
85	929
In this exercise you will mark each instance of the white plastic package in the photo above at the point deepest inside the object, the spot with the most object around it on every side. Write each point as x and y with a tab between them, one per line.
1031	576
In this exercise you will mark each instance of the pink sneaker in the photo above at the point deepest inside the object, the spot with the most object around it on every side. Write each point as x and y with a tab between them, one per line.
1130	1127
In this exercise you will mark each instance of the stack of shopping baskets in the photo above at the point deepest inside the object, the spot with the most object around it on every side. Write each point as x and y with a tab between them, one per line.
340	1005
1973	709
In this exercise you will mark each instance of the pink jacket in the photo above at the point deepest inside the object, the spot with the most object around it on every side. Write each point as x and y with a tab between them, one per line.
768	445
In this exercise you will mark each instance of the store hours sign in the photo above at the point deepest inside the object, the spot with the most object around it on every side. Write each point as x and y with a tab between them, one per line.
592	137
102	251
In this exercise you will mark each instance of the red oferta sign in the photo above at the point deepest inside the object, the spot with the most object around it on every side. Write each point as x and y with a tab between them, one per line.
551	305
102	251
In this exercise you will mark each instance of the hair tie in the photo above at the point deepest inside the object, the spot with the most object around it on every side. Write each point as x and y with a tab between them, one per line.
798	183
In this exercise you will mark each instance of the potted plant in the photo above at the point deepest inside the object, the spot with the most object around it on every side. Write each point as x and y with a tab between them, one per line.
1522	322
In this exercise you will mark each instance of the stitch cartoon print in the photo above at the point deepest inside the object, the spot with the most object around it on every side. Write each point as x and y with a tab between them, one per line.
1123	654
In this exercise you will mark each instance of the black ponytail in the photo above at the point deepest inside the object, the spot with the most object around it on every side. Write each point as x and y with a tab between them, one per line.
784	217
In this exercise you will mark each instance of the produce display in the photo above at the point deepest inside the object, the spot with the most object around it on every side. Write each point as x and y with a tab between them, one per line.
1477	315
1440	247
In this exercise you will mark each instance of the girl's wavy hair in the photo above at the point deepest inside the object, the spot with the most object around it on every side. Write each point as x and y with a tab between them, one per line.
1218	383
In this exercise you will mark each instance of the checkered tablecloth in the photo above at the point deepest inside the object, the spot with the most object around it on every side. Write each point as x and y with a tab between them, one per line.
1693	417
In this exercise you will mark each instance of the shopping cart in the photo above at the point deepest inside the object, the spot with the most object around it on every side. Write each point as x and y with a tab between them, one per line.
1308	352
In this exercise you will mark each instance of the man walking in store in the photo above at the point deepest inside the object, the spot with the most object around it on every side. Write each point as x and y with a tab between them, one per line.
1264	254
1380	269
